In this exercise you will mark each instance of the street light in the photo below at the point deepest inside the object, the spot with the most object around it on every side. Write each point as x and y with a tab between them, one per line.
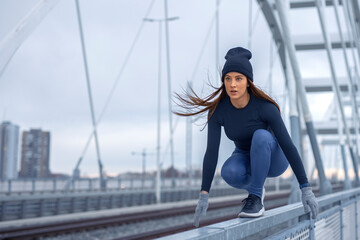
158	172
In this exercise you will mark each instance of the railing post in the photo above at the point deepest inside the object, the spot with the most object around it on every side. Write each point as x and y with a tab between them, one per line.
119	183
3	206
42	208
57	211
23	208
312	229
73	184
341	220
33	186
356	217
9	186
277	184
54	185
90	184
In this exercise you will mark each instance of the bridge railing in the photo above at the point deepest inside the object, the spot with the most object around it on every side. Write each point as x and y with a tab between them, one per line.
44	186
338	219
39	205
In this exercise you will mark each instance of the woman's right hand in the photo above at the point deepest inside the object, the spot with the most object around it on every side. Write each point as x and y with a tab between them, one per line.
201	207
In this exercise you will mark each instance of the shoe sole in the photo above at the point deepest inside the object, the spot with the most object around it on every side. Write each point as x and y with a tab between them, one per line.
258	214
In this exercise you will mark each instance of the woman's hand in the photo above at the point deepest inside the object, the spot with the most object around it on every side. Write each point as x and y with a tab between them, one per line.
309	201
201	207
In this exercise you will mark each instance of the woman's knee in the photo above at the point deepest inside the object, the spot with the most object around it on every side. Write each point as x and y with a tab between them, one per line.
261	138
233	176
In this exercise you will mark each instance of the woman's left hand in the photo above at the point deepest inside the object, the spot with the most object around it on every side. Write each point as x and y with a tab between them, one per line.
309	201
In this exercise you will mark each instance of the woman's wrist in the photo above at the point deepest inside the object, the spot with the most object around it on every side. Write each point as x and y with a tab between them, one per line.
304	185
204	192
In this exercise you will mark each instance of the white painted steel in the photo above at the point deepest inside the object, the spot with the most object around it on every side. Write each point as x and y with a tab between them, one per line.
336	220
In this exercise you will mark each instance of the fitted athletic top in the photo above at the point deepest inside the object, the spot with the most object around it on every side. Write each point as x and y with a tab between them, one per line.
240	125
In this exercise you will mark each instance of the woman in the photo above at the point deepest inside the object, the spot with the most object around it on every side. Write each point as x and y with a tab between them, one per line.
263	147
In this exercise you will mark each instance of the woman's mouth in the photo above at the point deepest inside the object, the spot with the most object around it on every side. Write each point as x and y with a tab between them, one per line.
233	92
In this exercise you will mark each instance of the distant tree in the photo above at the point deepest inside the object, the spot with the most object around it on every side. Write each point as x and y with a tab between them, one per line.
168	172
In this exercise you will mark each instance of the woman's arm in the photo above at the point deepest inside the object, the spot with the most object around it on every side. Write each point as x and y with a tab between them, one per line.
211	154
272	115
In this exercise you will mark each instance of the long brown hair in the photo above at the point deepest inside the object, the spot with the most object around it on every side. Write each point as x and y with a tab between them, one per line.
191	102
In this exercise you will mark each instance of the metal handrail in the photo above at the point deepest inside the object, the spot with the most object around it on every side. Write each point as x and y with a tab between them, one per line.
270	224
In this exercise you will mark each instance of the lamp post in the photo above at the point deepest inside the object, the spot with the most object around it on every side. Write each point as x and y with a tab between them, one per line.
158	172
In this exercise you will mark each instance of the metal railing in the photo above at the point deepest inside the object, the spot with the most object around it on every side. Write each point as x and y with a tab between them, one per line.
338	219
38	205
20	207
46	186
41	186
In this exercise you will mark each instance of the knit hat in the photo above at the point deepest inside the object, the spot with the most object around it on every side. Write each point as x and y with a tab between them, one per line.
237	60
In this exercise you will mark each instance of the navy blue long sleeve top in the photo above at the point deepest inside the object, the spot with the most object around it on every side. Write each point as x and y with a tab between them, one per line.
239	126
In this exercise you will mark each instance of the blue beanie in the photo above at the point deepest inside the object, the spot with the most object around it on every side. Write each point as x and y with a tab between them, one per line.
237	60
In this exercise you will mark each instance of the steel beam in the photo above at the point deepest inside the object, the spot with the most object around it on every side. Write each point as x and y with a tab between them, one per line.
325	186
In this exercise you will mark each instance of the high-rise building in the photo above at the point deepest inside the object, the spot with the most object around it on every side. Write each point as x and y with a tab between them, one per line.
9	144
35	154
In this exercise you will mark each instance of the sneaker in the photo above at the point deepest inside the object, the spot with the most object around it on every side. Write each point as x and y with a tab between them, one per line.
253	206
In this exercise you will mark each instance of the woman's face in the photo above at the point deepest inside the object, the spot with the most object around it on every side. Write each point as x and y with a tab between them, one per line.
236	85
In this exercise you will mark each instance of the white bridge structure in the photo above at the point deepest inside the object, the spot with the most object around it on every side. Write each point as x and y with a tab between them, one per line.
339	216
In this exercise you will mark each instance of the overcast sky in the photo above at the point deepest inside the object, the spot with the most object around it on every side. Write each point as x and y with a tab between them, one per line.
44	85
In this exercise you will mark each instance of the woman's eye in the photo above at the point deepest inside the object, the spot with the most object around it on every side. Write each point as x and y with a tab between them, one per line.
238	79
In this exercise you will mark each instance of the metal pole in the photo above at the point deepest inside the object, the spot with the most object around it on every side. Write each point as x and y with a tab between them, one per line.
189	143
355	121
353	44
351	89
295	193
118	78
325	186
10	43
169	94
295	131
355	111
102	183
319	6
347	183
217	34
349	16
158	148
250	24
271	67
158	162
355	16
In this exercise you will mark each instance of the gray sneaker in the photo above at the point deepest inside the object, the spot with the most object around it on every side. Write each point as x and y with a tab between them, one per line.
252	206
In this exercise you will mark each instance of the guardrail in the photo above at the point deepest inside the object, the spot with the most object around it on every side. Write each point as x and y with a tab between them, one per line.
44	186
83	185
30	206
41	186
338	219
19	207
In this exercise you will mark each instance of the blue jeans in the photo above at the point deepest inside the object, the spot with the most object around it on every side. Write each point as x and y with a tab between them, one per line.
249	169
